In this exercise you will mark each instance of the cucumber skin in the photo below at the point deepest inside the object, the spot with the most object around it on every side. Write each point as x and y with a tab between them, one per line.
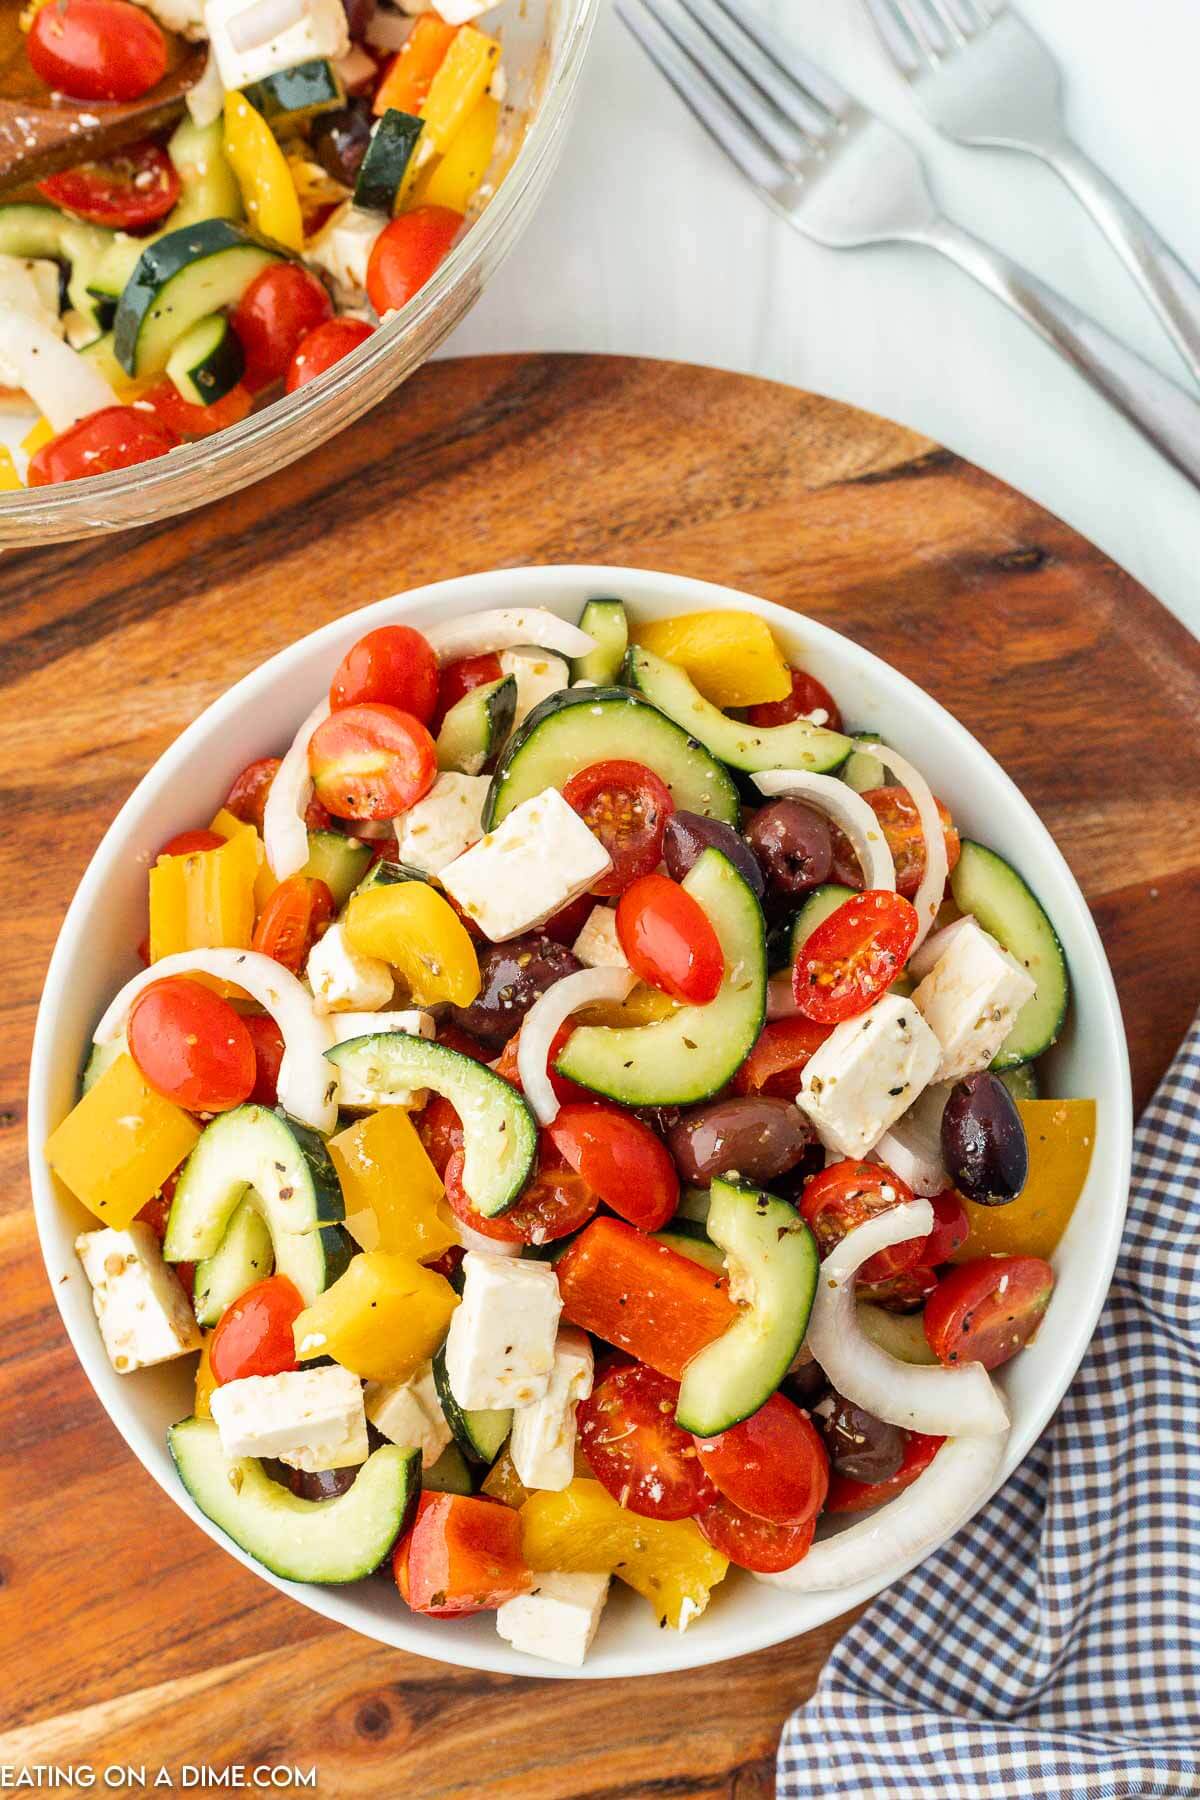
166	260
475	1448
605	621
977	860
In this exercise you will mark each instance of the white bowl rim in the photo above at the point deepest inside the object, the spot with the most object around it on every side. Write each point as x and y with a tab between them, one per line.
545	585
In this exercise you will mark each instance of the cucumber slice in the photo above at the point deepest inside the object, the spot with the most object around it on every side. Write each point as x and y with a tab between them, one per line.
984	884
207	361
861	770
100	1058
693	1207
476	726
693	1053
390	149
293	96
390	874
605	621
208	190
449	1474
571	730
800	745
479	1435
499	1131
244	1256
302	1540
178	279
786	940
902	1335
697	1246
32	230
285	1170
1022	1082
773	1264
337	860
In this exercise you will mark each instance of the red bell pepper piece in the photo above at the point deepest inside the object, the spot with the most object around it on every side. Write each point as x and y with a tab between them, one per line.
642	1296
462	1556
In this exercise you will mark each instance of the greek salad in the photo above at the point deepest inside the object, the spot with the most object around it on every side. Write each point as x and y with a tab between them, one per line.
329	156
581	1110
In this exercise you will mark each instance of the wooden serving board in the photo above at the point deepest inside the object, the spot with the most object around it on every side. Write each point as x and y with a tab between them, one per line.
128	1636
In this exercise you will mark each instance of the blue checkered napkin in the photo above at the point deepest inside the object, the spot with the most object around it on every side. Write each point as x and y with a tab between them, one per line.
1053	1647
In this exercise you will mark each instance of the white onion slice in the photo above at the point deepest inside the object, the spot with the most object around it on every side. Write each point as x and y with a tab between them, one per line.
921	962
263	20
960	1402
206	97
848	810
307	1083
928	897
781	997
506	628
63	385
548	1012
941	1499
285	835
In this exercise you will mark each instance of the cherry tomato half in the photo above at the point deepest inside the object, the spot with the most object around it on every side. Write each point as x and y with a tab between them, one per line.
279	308
247	798
97	49
267	1039
254	1335
440	1131
458	678
901	826
189	420
190	843
775	1064
634	1448
764	1545
848	1193
116	437
988	1310
191	1046
393	664
371	762
620	1159
772	1464
407	252
906	1292
566	1090
667	936
554	1203
626	806
299	911
807	697
321	348
128	190
951	1228
847	1496
853	956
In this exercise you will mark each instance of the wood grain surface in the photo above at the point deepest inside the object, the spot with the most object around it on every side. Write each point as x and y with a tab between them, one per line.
127	1635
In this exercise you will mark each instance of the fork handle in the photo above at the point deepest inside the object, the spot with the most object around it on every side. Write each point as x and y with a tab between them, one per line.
1167	415
1170	287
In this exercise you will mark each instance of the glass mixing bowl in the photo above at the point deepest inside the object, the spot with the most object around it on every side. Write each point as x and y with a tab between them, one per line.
544	46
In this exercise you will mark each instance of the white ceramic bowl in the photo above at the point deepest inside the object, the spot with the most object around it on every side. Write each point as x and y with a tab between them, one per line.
95	954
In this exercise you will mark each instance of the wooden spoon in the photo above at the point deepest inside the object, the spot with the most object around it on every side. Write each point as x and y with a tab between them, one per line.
41	133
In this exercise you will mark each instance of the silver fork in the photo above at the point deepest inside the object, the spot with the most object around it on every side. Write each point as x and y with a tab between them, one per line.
981	77
841	176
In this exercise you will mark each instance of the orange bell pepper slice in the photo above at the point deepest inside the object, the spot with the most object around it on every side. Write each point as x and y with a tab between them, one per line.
413	68
463	1555
642	1296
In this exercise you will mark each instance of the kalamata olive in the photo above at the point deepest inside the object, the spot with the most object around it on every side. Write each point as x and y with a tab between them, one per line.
757	1136
323	1484
512	976
984	1146
339	139
689	834
861	1447
359	14
792	843
805	1382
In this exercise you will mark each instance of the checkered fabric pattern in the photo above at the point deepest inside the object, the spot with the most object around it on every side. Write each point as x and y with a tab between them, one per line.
1053	1647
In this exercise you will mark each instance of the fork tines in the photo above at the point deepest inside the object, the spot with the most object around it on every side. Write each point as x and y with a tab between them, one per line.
923	32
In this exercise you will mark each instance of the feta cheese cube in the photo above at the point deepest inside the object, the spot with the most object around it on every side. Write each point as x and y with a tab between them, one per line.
144	1315
970	1000
537	860
442	825
252	39
539	673
868	1071
598	944
311	1419
184	16
342	248
343	981
557	1618
409	1413
347	1025
500	1347
461	12
542	1444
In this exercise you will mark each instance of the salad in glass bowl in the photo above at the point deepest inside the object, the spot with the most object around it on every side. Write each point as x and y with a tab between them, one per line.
581	1110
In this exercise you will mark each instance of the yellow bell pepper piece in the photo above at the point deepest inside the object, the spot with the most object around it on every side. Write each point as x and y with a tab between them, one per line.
227	826
272	204
643	1005
416	930
454	178
383	1318
38	434
9	479
206	1381
391	1189
460	83
583	1528
731	656
117	1146
205	900
1061	1134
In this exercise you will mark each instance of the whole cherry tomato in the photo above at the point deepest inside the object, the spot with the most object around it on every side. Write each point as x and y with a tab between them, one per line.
247	798
554	1202
901	826
458	678
620	1160
299	911
634	1448
506	1065
393	664
407	252
128	190
807	698
764	1545
848	1193
775	1064
853	956
279	308
267	1039
371	762
254	1335
190	843
669	940
772	1464
97	49
189	420
988	1310
116	437
191	1046
626	806
321	348
848	1496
